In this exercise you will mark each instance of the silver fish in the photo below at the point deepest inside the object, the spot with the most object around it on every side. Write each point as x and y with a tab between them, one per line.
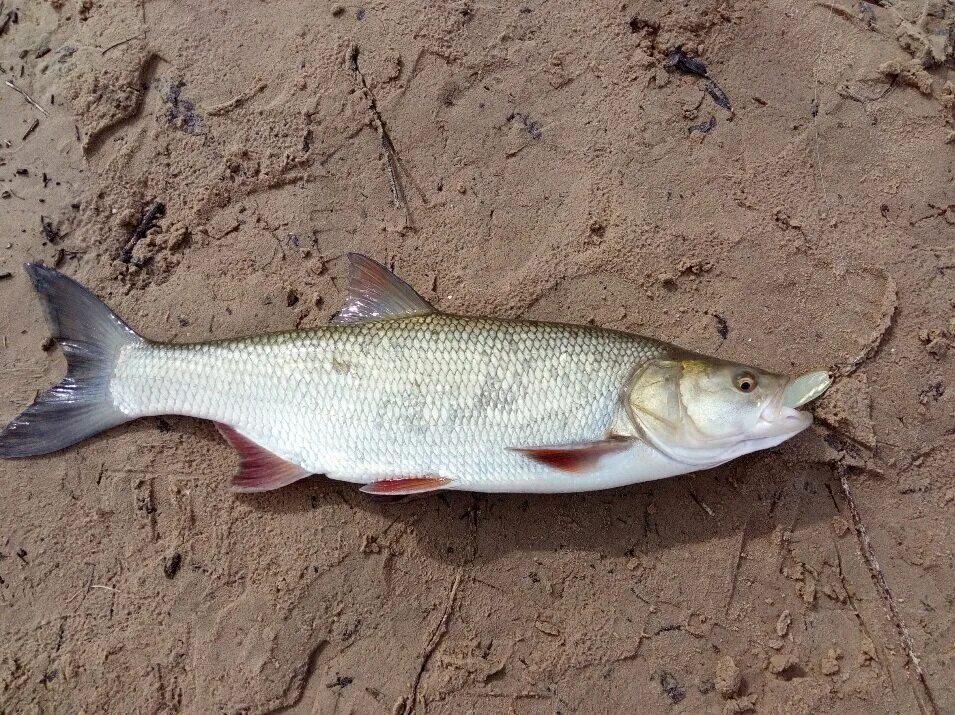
402	398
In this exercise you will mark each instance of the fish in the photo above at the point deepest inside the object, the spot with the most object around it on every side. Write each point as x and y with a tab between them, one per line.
401	398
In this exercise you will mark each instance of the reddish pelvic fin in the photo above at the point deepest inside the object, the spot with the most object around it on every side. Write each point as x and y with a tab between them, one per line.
260	470
406	485
577	458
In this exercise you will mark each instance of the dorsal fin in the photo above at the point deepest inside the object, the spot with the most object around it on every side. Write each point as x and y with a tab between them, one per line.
375	293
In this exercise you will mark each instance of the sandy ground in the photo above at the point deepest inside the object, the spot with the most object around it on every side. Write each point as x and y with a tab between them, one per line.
545	168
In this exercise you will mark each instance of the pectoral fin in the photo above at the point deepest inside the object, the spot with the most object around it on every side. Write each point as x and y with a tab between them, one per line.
578	458
260	470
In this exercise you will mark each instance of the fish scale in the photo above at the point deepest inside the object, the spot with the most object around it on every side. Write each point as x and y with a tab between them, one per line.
424	395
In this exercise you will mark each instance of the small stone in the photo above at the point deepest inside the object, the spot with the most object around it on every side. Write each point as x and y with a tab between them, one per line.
171	565
836	592
548	628
807	591
746	704
728	677
671	686
910	71
937	342
840	526
369	544
779	663
782	624
830	664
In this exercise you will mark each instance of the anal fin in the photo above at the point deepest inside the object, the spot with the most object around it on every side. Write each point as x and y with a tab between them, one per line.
578	457
405	485
260	469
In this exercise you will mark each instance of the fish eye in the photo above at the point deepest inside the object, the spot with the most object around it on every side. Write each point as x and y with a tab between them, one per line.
745	382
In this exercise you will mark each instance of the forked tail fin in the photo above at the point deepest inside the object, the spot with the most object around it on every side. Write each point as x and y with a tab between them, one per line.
90	336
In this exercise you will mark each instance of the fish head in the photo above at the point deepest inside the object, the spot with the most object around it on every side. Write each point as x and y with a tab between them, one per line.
703	411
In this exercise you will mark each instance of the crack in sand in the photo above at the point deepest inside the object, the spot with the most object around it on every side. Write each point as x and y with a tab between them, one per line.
301	677
436	636
392	166
237	101
863	626
868	554
145	76
877	336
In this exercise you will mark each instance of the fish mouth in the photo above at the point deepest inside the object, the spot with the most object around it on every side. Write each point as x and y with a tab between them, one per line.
781	413
781	416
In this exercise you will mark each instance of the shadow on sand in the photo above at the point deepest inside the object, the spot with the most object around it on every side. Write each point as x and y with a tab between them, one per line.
758	492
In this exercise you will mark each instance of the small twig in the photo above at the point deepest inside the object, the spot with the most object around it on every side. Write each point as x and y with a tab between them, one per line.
392	163
397	193
122	42
845	91
12	85
156	211
236	101
736	563
142	6
105	588
433	642
36	123
841	12
700	503
718	95
703	128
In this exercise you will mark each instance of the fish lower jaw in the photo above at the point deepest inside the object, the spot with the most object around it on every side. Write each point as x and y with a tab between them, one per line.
768	434
785	423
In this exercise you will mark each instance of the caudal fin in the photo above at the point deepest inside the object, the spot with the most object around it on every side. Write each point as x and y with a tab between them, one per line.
90	336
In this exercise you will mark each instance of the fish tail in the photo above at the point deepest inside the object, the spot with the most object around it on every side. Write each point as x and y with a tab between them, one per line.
91	338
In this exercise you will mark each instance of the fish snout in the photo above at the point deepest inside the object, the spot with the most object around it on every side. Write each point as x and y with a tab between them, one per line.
805	388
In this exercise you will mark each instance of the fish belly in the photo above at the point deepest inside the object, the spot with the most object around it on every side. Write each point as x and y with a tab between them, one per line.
431	395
